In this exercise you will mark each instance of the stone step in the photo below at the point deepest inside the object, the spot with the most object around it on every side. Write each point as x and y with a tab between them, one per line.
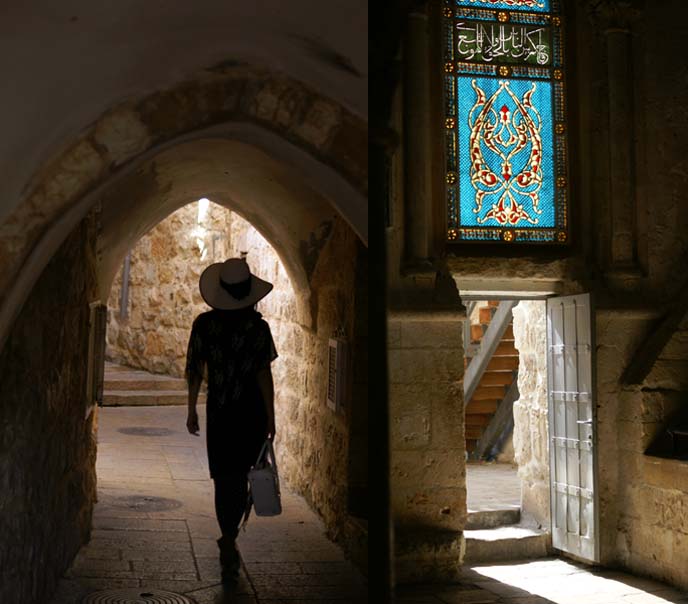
135	398
505	543
140	380
113	367
489	519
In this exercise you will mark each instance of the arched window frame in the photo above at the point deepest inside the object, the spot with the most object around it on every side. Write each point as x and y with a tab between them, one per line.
513	17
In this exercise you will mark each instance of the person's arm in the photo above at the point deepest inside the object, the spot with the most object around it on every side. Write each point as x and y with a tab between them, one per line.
194	375
267	391
192	416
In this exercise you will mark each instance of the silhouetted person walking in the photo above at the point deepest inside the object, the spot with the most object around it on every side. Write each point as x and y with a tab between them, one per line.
234	345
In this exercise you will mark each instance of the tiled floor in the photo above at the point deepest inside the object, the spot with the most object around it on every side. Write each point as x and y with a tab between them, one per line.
547	581
492	486
285	559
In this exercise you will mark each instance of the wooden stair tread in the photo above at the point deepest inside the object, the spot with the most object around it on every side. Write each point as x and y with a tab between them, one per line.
497	378
474	432
478	419
502	363
506	349
485	393
485	314
478	407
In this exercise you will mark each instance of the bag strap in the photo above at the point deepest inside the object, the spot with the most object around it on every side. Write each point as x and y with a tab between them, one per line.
271	451
262	452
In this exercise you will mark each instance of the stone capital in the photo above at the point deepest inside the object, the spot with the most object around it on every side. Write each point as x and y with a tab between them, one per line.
613	15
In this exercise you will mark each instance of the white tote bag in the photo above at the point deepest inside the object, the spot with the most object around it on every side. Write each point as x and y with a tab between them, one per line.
264	481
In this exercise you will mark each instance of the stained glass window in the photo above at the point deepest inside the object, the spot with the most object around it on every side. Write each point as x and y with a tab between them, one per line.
505	121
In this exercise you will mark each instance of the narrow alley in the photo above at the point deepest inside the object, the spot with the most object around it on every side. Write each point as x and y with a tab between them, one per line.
154	527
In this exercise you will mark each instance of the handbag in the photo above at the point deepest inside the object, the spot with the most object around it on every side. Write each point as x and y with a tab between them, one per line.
264	489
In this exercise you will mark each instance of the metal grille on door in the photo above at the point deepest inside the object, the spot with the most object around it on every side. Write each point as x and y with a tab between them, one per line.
572	426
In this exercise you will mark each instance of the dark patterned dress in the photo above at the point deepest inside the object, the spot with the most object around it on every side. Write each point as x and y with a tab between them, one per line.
232	345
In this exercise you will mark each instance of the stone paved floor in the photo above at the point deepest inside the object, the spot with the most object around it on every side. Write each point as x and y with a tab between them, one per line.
492	486
546	581
285	559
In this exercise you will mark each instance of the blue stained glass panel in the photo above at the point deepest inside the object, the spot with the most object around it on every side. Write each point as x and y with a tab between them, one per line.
505	121
540	6
506	172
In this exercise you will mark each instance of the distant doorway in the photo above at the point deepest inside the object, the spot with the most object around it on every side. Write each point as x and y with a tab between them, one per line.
529	429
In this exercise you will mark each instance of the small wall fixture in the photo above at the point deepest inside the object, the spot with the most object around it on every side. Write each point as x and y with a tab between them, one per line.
336	373
96	356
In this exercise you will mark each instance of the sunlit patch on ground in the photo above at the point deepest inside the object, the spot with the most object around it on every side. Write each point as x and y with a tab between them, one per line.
547	581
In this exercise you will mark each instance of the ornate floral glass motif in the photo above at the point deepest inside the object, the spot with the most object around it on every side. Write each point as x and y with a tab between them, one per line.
505	121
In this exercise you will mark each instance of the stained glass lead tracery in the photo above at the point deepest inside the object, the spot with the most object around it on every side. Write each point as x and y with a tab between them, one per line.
505	121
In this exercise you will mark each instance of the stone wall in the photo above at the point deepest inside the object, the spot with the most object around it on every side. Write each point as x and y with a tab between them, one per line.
47	445
428	473
279	310
163	297
652	527
322	436
530	435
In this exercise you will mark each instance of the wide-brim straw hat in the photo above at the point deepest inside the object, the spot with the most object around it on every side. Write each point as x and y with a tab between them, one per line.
233	275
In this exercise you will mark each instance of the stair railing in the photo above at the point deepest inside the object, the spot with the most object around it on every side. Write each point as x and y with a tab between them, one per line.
488	345
469	349
501	425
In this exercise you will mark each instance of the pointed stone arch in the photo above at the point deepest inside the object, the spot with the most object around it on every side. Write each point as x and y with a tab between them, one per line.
311	136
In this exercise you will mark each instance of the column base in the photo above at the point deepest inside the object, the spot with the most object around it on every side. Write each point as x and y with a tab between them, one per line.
429	556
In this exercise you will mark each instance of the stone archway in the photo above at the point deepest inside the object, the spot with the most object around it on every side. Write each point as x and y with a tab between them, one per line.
59	247
316	138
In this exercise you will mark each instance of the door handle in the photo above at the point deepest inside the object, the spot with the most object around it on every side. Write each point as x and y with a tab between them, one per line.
586	422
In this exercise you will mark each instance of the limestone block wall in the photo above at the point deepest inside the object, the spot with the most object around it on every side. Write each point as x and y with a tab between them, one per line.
653	493
47	445
279	310
530	436
320	440
163	295
428	474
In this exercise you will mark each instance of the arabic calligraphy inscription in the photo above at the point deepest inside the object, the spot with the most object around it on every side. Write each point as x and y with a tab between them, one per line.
506	43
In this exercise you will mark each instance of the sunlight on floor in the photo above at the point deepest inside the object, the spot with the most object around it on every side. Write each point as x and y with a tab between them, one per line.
562	582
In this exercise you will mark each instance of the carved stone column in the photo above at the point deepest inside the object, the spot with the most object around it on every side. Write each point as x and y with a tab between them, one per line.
428	476
417	137
614	20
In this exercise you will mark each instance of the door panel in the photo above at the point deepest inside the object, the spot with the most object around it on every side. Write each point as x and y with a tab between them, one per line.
572	426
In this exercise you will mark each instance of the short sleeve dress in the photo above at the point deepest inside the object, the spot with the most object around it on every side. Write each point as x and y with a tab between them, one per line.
232	346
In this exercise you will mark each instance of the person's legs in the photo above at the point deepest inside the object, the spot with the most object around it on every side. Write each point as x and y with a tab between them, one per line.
231	493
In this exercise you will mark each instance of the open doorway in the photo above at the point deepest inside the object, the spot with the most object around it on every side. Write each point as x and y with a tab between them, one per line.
529	428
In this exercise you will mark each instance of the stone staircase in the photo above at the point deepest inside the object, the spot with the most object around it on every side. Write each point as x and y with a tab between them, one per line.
499	375
126	387
501	535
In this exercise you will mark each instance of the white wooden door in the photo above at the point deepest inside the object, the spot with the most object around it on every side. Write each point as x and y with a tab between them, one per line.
572	428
